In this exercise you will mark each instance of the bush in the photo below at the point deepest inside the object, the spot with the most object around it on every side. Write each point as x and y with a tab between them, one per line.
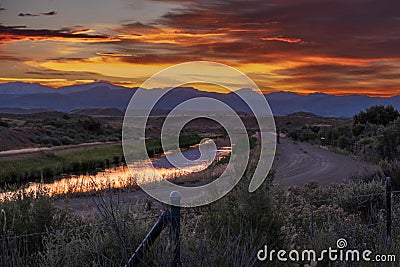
342	142
358	129
4	124
49	141
365	199
304	134
295	134
392	169
28	217
389	141
379	115
308	135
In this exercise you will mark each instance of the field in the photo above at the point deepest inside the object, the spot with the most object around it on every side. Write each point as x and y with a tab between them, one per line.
34	166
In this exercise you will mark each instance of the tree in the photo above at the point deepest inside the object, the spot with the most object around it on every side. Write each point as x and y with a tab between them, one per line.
378	115
389	141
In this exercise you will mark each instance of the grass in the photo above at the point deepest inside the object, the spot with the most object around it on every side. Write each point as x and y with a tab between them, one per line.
77	160
35	166
154	146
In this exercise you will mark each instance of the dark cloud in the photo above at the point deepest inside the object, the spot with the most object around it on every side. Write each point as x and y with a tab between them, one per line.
365	29
334	77
9	33
259	31
10	58
27	15
378	70
163	58
339	45
174	1
68	59
50	13
113	54
139	28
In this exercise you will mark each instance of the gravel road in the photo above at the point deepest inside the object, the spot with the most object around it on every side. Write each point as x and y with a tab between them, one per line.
299	163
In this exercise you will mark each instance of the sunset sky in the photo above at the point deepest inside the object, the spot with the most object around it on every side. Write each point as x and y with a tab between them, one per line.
304	46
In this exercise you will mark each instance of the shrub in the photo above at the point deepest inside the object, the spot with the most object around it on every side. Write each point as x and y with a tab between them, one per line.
365	199
28	216
4	124
389	141
358	129
379	115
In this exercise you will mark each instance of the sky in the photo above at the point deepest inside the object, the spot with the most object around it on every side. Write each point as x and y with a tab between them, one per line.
304	46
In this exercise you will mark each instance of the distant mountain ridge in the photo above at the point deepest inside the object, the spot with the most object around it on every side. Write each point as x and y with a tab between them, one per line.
21	88
98	112
18	95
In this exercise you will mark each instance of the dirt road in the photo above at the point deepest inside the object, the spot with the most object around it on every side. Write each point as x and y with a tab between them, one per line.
298	163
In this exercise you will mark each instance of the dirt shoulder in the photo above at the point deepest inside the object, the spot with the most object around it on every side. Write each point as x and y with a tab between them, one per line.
44	150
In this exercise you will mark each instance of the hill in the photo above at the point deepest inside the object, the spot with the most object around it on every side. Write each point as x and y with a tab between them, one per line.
52	129
99	112
23	110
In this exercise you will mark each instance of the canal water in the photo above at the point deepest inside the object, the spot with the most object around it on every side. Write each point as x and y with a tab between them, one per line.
121	176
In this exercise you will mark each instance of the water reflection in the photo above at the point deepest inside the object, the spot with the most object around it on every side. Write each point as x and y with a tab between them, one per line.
120	177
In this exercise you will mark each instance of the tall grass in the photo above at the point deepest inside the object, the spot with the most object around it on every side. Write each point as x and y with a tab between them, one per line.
27	168
18	169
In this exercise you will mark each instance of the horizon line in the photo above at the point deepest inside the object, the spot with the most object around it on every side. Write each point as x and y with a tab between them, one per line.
44	84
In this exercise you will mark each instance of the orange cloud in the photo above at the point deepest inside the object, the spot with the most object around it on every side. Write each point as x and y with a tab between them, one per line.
175	37
45	81
114	54
10	38
106	66
282	39
81	31
32	80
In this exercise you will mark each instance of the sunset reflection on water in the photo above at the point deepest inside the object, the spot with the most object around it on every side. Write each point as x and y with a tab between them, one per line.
116	177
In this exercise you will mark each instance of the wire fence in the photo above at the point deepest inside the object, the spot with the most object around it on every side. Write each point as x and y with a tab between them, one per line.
200	211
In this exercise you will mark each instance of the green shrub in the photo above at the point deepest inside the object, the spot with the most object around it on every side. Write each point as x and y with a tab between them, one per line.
4	124
379	115
26	217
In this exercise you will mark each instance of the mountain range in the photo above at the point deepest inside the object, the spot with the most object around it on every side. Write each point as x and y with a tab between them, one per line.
32	96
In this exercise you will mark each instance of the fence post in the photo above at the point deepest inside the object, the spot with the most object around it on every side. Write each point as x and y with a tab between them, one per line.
278	137
149	239
388	212
3	212
175	198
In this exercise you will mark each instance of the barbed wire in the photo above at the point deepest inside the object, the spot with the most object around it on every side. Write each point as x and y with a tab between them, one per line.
81	227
